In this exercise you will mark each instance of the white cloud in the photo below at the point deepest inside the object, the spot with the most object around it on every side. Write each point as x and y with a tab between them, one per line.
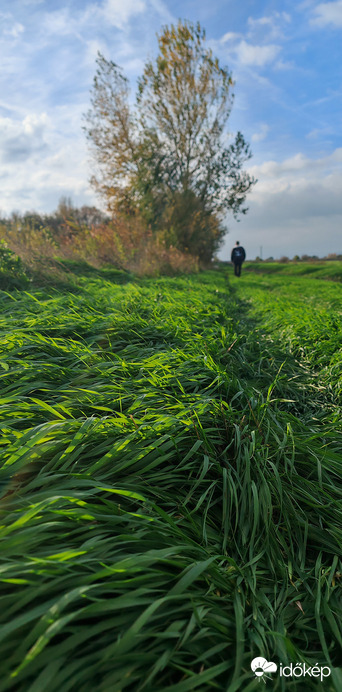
328	13
295	207
93	47
163	11
40	179
249	54
114	13
320	132
119	12
259	136
59	22
230	36
40	163
35	124
283	16
258	46
286	171
14	31
284	65
270	24
19	140
313	134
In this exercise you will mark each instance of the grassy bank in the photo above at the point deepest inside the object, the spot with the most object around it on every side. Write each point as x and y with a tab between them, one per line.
171	482
318	269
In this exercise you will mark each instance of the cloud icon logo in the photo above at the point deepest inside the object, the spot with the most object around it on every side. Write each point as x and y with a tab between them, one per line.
260	666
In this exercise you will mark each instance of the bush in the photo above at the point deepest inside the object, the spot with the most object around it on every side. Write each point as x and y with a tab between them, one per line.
12	272
156	257
125	241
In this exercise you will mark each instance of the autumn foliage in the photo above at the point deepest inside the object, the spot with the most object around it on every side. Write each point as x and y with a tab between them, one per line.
87	234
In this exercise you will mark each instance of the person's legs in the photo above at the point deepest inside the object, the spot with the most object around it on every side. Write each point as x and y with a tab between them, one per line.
238	269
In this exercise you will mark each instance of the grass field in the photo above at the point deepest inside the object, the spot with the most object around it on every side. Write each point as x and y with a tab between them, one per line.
330	270
171	481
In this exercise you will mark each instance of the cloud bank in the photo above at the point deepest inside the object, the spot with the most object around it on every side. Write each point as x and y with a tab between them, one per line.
295	208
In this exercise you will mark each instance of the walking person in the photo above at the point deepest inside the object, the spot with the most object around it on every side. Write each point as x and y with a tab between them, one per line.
237	257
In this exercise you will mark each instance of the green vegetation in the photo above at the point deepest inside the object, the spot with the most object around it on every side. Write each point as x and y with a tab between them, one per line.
171	482
321	269
12	271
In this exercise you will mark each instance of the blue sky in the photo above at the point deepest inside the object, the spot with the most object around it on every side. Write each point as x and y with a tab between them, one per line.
286	61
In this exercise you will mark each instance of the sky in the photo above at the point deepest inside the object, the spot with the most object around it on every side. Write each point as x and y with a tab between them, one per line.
286	61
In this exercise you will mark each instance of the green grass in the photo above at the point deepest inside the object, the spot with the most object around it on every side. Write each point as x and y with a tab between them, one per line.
171	482
320	269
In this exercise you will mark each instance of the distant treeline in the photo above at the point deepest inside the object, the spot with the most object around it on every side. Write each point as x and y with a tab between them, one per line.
303	258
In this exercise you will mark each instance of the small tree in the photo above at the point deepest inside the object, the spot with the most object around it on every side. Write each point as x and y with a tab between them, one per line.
169	160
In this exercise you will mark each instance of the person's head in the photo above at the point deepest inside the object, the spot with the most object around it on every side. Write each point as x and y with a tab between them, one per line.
237	242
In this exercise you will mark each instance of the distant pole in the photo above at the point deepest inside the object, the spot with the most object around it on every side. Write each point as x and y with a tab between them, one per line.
260	251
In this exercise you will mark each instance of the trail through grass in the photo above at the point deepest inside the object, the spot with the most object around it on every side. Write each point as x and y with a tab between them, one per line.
171	483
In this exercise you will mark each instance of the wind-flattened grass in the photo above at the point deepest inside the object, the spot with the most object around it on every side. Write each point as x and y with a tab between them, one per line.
171	475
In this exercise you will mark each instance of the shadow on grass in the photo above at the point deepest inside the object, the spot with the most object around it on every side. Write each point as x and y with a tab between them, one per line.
83	269
67	276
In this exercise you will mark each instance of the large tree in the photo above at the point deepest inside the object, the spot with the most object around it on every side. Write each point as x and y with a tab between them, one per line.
169	157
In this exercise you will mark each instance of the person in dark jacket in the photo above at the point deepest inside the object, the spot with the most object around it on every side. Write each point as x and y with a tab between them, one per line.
237	257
